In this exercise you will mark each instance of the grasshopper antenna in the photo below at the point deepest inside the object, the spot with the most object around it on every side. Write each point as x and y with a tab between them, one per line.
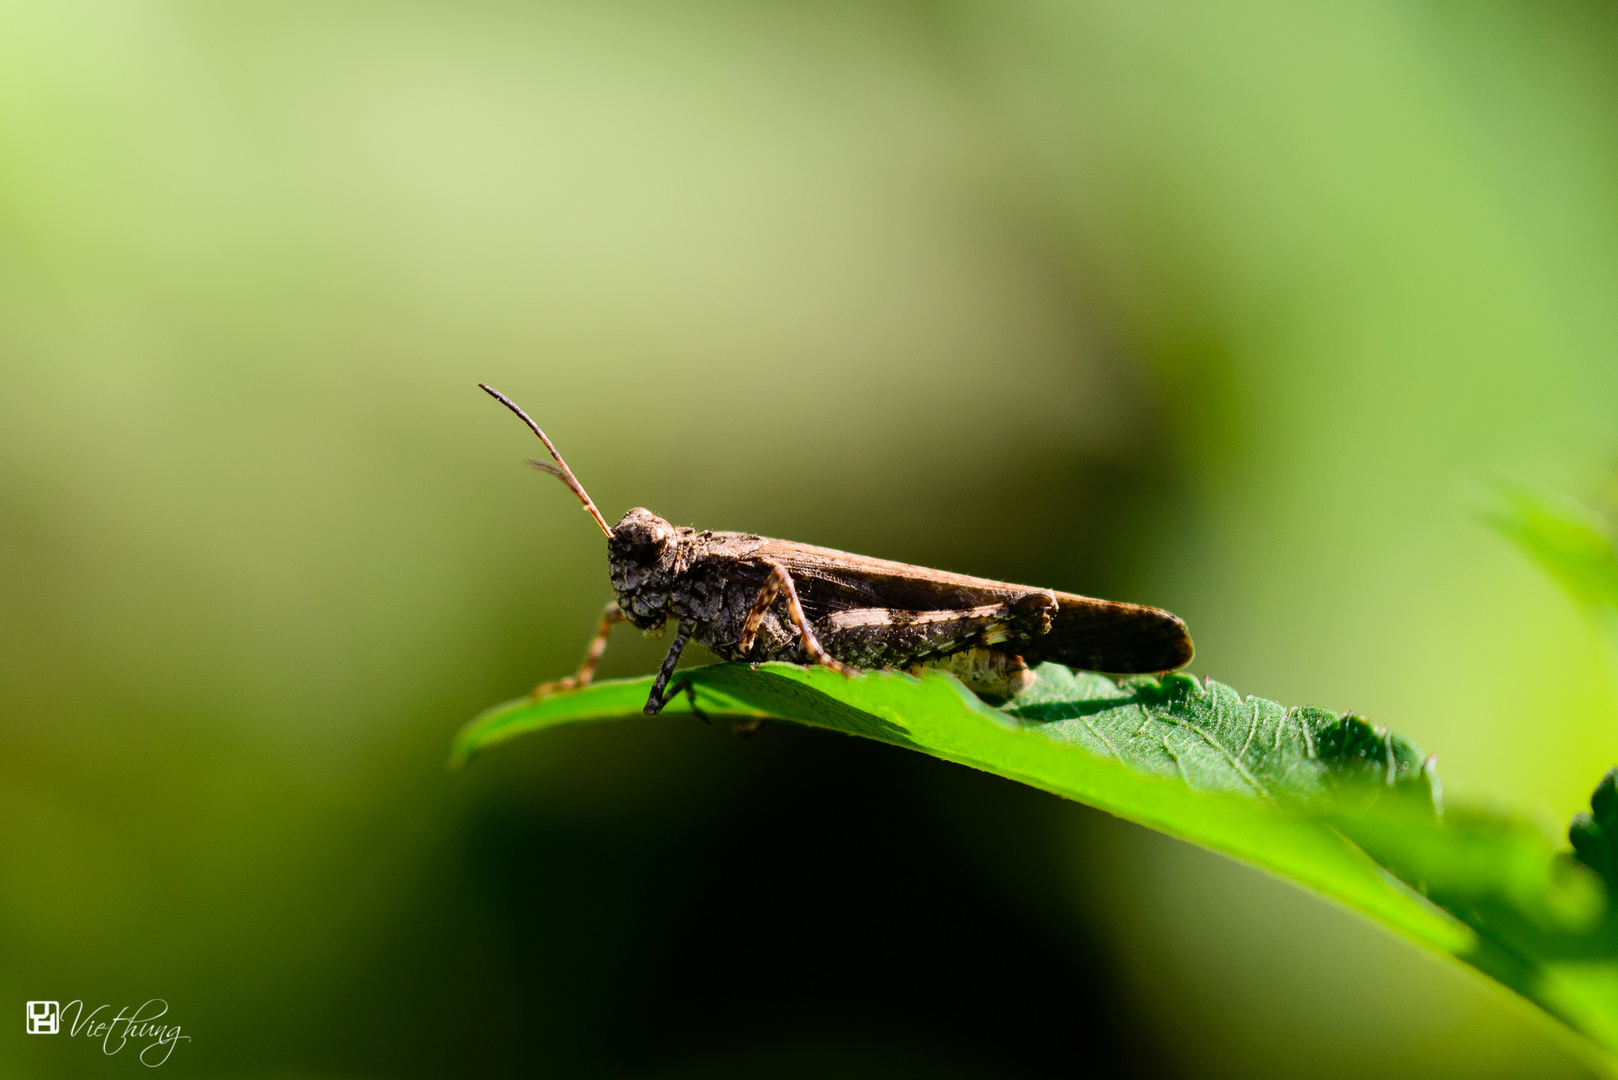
560	470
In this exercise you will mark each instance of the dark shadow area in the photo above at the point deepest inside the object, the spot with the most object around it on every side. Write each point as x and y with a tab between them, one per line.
837	913
832	913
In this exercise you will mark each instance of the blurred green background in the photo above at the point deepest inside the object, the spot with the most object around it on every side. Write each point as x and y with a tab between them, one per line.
1234	309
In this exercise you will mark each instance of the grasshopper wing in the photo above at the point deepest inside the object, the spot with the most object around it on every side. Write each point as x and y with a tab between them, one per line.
1102	635
1095	635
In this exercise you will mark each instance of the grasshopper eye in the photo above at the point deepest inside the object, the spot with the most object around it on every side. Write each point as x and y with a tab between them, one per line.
641	538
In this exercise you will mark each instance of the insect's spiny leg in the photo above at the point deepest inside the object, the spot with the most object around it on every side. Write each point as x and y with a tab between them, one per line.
691	699
657	699
610	615
592	656
689	689
811	643
761	607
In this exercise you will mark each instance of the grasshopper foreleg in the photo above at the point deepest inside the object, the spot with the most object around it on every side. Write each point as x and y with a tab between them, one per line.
779	584
592	656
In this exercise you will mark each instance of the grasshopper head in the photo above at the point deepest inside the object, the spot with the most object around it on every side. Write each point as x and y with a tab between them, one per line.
643	556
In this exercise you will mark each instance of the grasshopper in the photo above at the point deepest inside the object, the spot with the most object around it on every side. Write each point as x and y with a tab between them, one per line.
751	598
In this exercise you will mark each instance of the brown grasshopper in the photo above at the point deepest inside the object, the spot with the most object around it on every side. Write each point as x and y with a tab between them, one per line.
751	598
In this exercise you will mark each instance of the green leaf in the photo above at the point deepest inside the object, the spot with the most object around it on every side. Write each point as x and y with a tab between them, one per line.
1595	835
1325	800
1571	544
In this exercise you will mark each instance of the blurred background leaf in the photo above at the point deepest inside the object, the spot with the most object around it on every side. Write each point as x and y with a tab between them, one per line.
1571	544
1224	310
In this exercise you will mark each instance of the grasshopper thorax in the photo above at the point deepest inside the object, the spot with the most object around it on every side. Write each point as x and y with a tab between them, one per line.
644	560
